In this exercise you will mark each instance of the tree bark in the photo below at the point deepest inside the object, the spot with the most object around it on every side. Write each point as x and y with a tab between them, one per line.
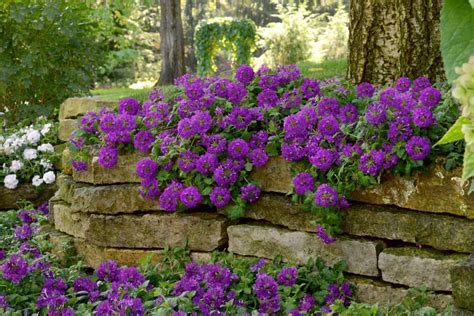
389	39
172	42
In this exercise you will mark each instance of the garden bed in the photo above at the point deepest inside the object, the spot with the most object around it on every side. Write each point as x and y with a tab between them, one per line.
104	214
408	232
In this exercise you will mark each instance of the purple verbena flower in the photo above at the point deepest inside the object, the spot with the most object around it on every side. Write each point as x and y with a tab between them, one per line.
238	148
323	235
220	196
79	165
14	269
191	197
146	168
244	74
430	96
108	156
418	147
365	90
326	196
376	114
287	276
128	106
250	193
143	140
423	117
303	182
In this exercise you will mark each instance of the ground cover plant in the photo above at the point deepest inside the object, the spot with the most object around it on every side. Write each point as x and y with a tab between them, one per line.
204	140
33	281
27	154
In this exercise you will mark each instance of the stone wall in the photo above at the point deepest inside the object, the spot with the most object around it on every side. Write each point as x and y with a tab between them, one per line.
413	231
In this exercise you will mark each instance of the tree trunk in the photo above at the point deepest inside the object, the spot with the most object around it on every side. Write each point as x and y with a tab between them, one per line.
395	38
172	42
189	27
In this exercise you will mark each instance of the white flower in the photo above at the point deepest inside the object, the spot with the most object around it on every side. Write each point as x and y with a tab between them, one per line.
46	129
16	165
33	136
30	154
46	164
11	182
46	148
37	181
49	177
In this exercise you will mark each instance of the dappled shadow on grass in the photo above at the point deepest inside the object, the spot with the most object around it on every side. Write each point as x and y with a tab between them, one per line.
325	70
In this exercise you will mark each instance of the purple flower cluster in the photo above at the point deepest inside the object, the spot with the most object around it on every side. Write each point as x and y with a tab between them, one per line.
204	141
266	290
342	293
323	235
211	286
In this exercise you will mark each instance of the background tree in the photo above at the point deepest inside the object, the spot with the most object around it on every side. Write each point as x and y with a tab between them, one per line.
172	41
390	39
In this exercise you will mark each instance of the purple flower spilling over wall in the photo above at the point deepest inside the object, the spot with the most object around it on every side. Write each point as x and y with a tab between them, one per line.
214	132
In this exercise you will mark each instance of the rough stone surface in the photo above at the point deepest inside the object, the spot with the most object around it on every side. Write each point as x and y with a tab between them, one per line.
279	210
462	279
418	267
123	172
110	199
59	149
373	292
26	191
65	164
438	191
74	107
275	176
66	127
199	231
439	231
77	224
269	242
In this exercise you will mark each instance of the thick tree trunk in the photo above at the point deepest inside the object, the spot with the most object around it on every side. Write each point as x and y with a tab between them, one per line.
172	42
393	38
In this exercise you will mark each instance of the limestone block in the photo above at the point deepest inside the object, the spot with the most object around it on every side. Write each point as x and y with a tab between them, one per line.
74	107
462	279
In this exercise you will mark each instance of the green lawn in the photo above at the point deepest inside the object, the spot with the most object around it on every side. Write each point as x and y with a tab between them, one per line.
116	94
324	70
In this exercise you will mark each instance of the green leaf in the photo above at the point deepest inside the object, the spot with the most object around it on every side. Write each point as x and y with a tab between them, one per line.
468	168
454	133
457	42
472	3
235	211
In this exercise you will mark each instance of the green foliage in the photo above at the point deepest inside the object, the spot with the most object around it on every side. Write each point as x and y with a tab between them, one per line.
133	42
454	133
234	35
457	42
289	41
332	41
49	50
301	35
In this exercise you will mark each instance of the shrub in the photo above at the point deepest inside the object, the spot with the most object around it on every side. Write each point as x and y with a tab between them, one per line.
49	51
289	41
332	40
27	154
235	35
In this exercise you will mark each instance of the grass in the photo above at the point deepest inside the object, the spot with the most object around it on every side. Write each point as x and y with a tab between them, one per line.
116	94
324	70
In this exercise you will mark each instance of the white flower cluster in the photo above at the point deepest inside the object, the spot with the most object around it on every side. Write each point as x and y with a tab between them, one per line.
27	155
